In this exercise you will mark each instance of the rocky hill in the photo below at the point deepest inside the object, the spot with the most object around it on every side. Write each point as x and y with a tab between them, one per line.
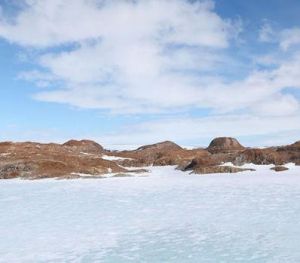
85	158
70	160
224	145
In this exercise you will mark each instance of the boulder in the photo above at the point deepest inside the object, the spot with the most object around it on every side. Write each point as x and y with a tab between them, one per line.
279	168
224	145
219	169
209	165
161	147
201	162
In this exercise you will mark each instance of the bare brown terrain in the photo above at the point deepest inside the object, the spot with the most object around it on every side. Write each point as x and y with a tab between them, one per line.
72	159
75	159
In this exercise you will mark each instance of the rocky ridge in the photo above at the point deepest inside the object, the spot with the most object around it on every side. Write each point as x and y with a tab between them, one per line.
88	159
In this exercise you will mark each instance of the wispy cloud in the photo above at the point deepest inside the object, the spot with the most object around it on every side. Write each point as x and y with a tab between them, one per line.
286	38
290	37
267	33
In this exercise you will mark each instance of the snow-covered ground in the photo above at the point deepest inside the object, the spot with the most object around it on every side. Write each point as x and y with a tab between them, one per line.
169	216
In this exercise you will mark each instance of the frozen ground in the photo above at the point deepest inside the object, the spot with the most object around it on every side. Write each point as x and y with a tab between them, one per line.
166	217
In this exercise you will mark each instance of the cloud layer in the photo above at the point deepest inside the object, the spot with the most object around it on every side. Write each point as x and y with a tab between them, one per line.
156	56
129	56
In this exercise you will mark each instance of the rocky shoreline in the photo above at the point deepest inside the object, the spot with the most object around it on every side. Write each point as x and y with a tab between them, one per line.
88	159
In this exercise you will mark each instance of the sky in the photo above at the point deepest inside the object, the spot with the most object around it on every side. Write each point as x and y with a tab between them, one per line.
133	72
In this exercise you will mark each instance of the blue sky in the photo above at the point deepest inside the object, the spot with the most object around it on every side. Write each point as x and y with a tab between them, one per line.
136	72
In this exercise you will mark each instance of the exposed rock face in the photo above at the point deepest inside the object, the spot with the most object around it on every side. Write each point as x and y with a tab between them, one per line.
291	152
221	150
13	170
85	146
209	165
224	145
229	150
79	158
292	147
35	160
205	161
160	154
279	168
161	147
219	169
260	156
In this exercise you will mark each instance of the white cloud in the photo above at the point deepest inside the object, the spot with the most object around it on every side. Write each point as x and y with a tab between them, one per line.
50	23
277	105
156	56
131	56
198	130
266	33
289	38
146	56
286	38
126	87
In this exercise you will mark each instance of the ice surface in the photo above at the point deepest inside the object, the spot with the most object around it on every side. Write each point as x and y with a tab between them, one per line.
169	216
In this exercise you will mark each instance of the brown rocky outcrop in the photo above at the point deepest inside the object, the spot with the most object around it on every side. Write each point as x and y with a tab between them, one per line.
221	150
261	157
36	160
161	147
272	155
292	147
75	158
279	168
160	154
291	152
224	145
224	149
219	169
84	146
210	165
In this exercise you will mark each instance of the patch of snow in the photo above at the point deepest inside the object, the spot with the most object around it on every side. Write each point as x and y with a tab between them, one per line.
4	154
85	153
82	174
114	158
120	147
189	147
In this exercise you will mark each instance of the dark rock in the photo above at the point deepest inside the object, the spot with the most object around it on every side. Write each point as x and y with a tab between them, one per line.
219	169
279	168
260	157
